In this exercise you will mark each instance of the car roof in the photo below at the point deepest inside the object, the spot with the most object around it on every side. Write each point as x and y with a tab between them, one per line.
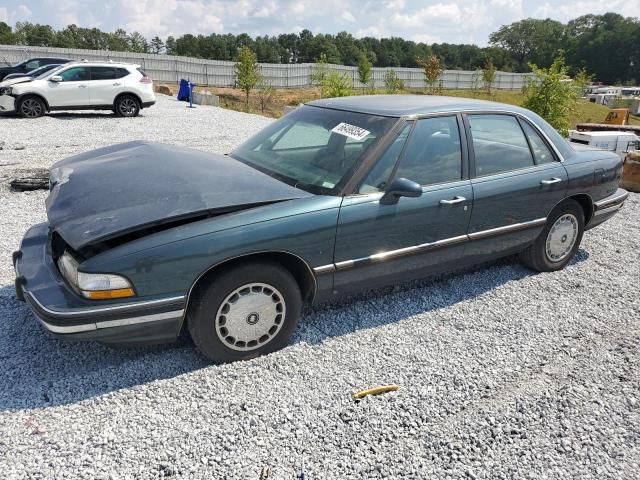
411	105
87	63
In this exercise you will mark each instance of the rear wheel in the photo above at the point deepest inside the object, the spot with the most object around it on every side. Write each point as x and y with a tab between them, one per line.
559	240
31	107
245	312
127	106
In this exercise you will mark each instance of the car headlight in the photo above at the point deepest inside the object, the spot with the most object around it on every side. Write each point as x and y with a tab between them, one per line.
95	286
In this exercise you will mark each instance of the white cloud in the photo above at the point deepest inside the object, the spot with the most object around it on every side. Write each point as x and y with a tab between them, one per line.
347	16
394	4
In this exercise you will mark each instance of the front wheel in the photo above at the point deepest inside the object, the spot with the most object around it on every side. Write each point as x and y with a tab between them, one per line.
31	107
245	312
559	240
127	106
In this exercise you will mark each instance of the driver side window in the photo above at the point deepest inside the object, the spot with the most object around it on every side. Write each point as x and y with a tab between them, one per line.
75	74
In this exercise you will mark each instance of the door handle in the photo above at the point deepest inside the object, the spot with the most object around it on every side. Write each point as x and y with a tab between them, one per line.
453	201
551	181
117	84
82	86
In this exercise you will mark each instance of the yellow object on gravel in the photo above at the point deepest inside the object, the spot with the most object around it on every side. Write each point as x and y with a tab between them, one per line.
375	391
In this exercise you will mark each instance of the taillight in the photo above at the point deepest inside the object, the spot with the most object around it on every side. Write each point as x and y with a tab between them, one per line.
146	79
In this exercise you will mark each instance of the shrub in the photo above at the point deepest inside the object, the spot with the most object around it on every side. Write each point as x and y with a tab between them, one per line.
336	85
432	70
247	72
392	82
550	96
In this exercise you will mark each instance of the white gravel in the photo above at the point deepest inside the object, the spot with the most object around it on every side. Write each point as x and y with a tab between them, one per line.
503	374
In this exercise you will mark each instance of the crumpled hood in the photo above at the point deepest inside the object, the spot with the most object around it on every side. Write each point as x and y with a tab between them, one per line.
118	189
14	81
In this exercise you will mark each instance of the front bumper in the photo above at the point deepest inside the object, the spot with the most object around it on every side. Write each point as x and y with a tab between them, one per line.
606	208
61	311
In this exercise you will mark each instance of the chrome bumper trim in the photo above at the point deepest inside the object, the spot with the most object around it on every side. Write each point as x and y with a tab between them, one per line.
105	309
608	210
613	199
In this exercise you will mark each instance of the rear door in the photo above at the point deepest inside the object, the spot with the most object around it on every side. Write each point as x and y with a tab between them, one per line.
517	180
378	244
72	91
105	84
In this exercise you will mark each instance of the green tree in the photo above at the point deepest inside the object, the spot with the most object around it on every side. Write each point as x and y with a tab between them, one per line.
6	35
365	71
157	45
170	45
247	72
488	75
432	70
137	43
531	41
320	70
336	85
392	82
550	95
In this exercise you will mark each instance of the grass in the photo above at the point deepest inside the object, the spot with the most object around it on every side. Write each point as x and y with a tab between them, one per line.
585	112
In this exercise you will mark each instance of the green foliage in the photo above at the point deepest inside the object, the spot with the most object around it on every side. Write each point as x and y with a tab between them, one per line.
157	45
247	72
365	71
581	81
6	34
335	85
488	75
551	96
432	70
265	93
393	83
320	70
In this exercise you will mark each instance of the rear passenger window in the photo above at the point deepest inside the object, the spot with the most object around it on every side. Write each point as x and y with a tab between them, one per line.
541	152
433	154
103	73
499	144
121	72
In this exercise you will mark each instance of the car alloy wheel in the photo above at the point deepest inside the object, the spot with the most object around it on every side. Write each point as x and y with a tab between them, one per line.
128	107
561	237
31	108
250	316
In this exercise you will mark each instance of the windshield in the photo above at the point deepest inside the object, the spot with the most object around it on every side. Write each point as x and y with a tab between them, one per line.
315	149
49	72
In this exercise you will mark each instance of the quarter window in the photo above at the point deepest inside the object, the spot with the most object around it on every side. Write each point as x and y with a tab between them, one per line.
433	153
499	144
541	152
75	74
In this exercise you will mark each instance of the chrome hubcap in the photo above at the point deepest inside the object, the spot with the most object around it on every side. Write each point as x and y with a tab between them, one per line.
31	108
562	237
250	316
128	107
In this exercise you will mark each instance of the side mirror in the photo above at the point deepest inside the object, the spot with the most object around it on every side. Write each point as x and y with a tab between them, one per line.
56	79
400	187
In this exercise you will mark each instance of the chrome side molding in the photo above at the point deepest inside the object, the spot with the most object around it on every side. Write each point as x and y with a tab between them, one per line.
415	249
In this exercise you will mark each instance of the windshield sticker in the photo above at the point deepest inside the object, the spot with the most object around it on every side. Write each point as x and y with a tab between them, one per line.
350	131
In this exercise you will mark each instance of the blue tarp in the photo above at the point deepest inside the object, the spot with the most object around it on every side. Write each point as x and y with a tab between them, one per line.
183	92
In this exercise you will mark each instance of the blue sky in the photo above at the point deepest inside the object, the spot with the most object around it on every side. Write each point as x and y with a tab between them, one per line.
464	21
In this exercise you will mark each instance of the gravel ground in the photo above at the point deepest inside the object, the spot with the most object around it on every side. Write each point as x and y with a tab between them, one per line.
503	373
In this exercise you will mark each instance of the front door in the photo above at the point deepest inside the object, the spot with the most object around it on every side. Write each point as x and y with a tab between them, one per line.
518	180
378	244
72	91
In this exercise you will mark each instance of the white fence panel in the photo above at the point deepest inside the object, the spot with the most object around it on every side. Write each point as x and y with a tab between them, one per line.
218	73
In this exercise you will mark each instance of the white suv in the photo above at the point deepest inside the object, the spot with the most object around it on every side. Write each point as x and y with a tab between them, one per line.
121	87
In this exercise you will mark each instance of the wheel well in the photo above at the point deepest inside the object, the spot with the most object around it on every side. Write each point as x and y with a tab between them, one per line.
131	94
25	95
587	205
294	264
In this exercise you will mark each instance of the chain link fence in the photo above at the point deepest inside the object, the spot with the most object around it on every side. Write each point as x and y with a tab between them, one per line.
218	73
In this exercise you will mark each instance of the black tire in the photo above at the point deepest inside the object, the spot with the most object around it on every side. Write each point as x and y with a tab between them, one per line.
31	106
568	218
127	106
208	323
